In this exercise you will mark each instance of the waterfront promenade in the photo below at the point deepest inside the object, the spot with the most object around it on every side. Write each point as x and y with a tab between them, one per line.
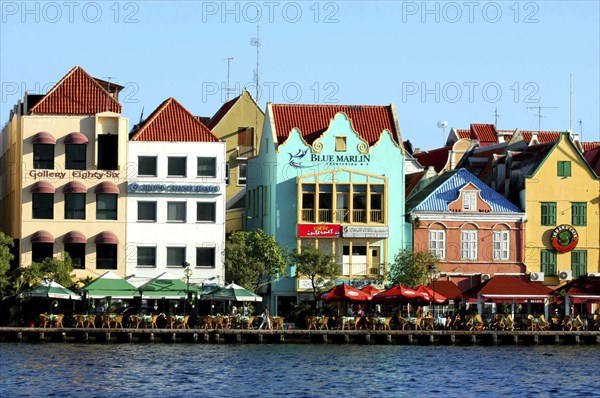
299	336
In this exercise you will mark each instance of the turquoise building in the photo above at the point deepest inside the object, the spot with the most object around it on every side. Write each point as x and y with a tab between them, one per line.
330	176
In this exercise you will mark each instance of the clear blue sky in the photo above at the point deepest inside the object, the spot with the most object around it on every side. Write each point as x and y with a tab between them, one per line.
452	61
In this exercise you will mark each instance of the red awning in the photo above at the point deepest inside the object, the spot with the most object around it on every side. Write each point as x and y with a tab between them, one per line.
107	187
429	295
74	187
371	290
107	238
43	137
76	138
42	187
42	237
74	237
397	293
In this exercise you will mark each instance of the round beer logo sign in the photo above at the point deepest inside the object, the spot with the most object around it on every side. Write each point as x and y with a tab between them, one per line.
564	238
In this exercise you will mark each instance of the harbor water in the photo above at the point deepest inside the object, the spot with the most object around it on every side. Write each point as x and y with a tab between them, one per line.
186	370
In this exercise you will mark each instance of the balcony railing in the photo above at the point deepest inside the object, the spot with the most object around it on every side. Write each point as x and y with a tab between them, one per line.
377	216
244	152
359	216
308	215
360	269
324	215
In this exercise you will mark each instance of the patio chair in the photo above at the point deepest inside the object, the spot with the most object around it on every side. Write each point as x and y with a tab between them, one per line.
429	323
323	324
207	322
79	320
58	322
183	324
43	321
153	322
357	322
278	323
499	323
531	323
170	321
543	325
218	322
578	323
90	321
311	323
596	322
118	321
226	323
509	323
386	324
134	321
105	321
567	323
249	324
419	323
402	323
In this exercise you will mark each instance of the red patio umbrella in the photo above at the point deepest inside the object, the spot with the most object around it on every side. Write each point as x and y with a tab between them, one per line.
429	295
345	292
371	290
397	293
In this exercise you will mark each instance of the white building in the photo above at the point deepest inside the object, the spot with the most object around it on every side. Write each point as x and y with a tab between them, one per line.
176	196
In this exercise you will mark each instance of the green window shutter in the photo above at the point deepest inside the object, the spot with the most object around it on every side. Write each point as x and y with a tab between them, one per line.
579	213
564	168
548	262
552	210
579	262
548	213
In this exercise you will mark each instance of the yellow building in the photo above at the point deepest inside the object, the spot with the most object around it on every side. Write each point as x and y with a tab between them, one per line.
560	194
239	123
63	187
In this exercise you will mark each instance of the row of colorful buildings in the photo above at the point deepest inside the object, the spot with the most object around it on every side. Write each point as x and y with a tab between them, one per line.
75	177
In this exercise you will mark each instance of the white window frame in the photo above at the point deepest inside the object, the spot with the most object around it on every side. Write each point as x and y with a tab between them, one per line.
184	212
146	265
469	202
241	181
501	245
227	176
437	243
155	210
185	172
167	256
468	245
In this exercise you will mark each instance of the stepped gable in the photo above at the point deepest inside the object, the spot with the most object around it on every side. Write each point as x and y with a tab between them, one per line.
77	93
172	122
368	121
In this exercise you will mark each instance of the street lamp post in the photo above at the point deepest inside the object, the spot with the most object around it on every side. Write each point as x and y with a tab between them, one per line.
187	272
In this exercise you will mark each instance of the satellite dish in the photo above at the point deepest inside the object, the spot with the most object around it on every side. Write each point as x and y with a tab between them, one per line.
442	124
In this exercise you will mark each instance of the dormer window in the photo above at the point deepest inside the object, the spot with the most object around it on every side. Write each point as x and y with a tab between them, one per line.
469	201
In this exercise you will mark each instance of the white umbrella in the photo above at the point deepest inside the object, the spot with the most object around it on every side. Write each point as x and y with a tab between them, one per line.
51	289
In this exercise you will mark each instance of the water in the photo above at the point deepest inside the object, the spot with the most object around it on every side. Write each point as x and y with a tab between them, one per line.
185	370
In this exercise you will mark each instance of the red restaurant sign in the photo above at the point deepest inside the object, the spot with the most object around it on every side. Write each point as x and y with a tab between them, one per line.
319	230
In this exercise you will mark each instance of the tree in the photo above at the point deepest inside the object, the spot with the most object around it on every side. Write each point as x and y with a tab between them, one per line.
57	269
6	243
412	268
316	265
253	258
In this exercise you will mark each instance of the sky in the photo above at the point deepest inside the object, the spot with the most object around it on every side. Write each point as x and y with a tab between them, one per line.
459	62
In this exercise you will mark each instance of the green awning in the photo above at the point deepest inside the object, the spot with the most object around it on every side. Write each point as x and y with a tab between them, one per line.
232	292
165	285
110	285
51	289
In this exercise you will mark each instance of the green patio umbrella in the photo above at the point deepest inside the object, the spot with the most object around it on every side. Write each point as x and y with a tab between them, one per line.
166	286
110	285
51	289
232	292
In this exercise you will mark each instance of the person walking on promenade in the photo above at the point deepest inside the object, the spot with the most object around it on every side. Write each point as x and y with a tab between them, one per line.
266	320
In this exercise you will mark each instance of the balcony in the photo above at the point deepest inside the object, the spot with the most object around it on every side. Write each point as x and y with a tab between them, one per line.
360	269
244	152
342	216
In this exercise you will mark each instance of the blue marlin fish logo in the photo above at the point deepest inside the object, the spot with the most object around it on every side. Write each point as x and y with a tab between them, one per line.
296	160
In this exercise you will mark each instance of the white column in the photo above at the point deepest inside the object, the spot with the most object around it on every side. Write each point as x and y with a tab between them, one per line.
567	305
547	308
479	304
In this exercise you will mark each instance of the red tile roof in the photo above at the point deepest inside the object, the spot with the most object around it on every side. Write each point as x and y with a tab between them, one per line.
221	112
435	157
77	93
593	159
542	136
588	146
463	133
172	122
484	133
312	120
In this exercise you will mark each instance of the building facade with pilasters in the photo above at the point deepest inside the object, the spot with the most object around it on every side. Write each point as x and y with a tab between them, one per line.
332	177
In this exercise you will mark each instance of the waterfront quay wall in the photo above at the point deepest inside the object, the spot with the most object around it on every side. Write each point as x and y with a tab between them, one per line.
295	336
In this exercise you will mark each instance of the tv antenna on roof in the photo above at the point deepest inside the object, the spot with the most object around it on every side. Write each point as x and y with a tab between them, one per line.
496	117
442	125
255	41
580	130
108	79
228	89
539	107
